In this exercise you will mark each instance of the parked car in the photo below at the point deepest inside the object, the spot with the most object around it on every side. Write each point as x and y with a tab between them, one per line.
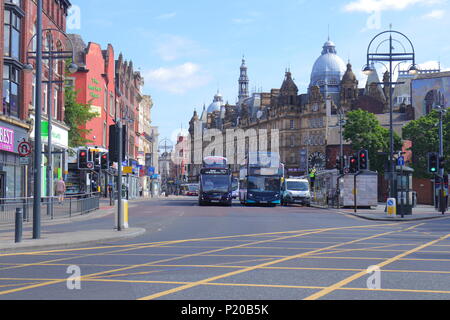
296	191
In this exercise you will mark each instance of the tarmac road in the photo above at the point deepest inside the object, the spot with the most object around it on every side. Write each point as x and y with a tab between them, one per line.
240	253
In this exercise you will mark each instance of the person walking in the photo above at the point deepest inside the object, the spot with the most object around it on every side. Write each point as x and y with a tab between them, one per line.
60	189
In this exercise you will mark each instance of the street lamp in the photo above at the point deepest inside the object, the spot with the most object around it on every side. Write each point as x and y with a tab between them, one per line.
51	55
391	56
439	106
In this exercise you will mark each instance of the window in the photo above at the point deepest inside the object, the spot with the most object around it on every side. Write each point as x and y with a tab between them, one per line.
292	124
111	104
105	99
45	101
33	94
11	86
12	28
104	134
55	103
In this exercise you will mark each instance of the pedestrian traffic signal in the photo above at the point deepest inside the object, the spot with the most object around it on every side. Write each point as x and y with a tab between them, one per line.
363	160
104	161
433	162
82	159
354	164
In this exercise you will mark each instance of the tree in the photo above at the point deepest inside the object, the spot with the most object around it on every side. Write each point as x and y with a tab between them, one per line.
365	132
75	115
424	135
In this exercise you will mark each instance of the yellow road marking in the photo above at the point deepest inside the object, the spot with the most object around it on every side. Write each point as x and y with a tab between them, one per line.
181	257
201	282
342	283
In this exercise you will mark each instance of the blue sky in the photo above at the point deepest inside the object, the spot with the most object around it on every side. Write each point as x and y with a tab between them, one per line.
187	50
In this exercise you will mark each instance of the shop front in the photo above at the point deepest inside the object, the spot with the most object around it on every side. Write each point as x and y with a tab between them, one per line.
60	145
13	175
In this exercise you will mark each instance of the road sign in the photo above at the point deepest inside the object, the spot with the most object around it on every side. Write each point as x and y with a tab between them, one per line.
391	207
127	170
24	161
24	149
401	161
90	165
346	170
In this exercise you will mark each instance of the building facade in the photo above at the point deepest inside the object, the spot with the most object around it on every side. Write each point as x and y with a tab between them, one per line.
18	92
304	128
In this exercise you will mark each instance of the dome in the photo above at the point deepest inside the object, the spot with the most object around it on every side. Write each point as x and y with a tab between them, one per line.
329	68
217	104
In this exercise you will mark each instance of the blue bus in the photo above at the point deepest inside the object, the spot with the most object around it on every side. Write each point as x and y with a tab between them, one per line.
215	182
261	179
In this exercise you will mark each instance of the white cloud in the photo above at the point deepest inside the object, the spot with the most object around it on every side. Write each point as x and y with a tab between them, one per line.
166	16
178	79
435	14
385	5
173	47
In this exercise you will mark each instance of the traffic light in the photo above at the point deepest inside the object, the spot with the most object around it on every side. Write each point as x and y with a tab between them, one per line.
363	160
338	163
104	158
82	159
433	162
442	162
354	164
114	143
96	157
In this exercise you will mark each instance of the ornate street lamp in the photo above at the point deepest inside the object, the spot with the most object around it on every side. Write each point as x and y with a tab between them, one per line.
376	54
50	54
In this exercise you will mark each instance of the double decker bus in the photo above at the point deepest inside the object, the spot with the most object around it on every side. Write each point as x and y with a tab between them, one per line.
261	179
215	182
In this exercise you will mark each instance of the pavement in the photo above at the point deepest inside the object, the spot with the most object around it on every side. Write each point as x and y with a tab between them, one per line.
69	233
422	212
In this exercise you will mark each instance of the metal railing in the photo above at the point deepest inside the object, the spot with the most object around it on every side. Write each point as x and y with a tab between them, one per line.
69	207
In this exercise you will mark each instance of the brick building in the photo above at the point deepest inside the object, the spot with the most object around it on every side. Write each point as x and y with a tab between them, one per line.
94	83
18	87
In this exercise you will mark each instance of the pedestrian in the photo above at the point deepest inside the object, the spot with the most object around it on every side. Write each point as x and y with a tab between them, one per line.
60	189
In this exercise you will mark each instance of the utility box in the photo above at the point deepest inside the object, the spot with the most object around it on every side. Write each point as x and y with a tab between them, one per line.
405	193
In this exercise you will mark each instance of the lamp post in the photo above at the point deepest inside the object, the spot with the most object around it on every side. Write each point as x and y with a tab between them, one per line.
391	56
51	55
39	55
440	107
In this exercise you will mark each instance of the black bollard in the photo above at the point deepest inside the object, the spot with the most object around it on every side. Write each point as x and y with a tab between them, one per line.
19	224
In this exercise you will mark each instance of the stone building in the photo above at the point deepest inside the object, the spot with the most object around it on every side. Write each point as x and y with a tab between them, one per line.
305	123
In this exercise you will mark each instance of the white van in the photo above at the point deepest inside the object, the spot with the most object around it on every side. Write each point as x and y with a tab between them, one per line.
296	191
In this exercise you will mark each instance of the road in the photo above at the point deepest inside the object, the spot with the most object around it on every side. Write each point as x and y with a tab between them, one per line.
240	253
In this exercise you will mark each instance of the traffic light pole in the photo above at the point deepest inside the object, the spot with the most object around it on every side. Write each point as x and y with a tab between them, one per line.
119	178
441	167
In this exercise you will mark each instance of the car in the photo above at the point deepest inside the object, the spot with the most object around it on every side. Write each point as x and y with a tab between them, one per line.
192	190
296	191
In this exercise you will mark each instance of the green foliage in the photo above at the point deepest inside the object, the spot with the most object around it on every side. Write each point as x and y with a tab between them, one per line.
76	114
365	132
424	134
